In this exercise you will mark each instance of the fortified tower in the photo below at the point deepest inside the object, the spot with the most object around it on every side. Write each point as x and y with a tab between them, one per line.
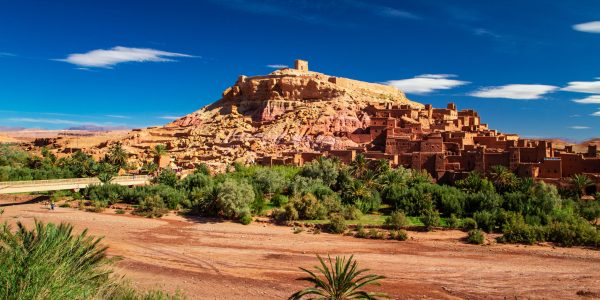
301	65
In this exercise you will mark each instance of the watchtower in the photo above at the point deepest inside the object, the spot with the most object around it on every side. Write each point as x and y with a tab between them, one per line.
301	65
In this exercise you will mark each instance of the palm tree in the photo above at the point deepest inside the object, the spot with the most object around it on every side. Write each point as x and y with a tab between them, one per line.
117	156
580	182
341	281
52	262
105	178
159	150
359	166
504	180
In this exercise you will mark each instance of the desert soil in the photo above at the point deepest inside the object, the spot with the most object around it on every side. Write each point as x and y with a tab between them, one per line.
209	259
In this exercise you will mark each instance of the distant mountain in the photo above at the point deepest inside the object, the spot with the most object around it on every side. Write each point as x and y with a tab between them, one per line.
98	128
8	128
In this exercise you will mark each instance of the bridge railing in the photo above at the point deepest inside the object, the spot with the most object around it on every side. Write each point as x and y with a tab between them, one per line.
72	180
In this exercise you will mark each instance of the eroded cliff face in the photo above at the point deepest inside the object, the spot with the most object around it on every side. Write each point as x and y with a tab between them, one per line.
287	110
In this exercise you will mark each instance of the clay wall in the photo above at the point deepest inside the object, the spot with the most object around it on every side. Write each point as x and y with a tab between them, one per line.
551	168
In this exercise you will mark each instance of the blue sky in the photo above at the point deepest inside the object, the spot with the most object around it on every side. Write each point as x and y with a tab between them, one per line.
521	64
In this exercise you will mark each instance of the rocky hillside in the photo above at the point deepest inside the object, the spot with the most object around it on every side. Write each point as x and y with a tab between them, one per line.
288	110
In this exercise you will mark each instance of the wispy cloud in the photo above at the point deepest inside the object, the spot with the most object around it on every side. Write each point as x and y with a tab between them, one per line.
596	114
383	10
514	91
426	83
277	66
577	127
50	121
6	54
595	99
169	117
591	27
106	58
117	116
592	87
331	13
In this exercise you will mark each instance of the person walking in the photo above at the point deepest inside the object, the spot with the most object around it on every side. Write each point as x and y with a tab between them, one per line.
51	204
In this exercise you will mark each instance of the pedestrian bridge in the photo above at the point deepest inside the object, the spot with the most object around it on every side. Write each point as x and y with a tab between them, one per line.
30	186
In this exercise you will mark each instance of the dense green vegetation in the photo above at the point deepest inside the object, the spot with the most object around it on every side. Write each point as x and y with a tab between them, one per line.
51	262
326	192
16	164
523	210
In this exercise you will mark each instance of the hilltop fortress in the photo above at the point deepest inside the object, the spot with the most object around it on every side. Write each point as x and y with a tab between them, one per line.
294	115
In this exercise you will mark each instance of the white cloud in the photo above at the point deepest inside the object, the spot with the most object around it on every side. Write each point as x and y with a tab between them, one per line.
591	27
514	91
596	114
169	117
102	58
595	99
117	116
277	66
579	127
426	83
591	87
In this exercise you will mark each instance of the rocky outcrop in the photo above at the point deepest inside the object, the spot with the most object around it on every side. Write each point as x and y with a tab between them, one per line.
287	110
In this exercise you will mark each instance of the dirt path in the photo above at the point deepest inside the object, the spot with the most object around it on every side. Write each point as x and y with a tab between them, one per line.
207	260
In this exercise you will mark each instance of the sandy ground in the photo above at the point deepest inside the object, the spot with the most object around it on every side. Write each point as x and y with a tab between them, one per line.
221	260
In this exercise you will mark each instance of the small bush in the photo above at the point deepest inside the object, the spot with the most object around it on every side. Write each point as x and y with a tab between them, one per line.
97	207
469	224
151	207
396	220
399	235
485	220
65	205
476	236
430	218
245	217
285	214
453	221
337	223
522	233
361	232
351	213
279	200
119	212
375	234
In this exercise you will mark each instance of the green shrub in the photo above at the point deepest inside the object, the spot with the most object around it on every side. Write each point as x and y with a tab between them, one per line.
279	200
375	234
119	212
485	220
337	223
233	197
351	213
476	236
469	224
361	232
309	208
151	207
245	217
166	177
522	233
399	235
286	214
453	221
576	233
396	220
96	207
431	218
65	205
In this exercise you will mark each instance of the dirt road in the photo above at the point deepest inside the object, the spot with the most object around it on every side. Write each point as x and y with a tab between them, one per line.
222	260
